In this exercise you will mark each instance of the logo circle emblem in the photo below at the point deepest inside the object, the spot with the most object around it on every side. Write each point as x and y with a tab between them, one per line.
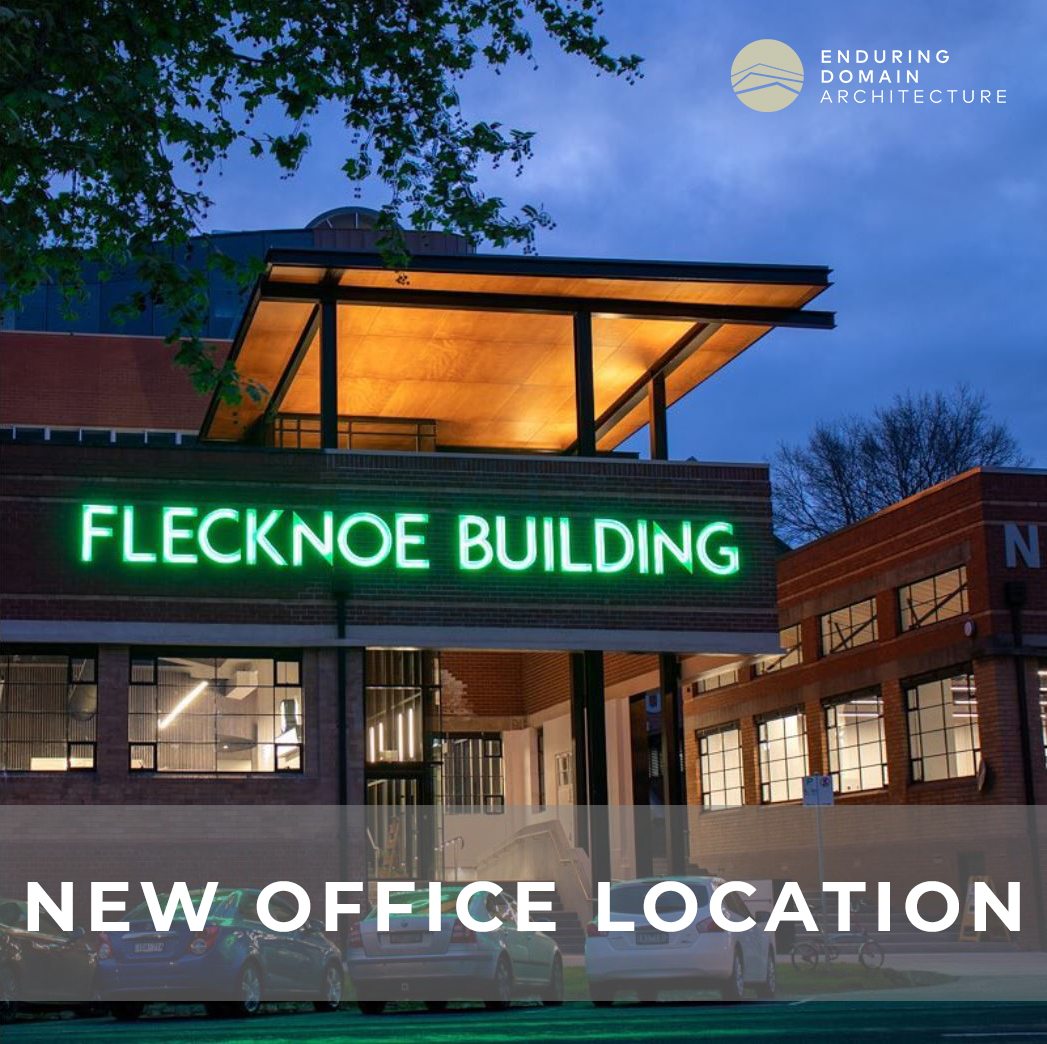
767	75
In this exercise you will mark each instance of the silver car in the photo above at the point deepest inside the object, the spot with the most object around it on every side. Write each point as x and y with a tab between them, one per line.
409	962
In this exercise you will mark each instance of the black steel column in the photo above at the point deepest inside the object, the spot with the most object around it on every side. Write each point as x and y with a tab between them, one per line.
659	429
584	401
596	726
343	754
673	771
579	737
329	372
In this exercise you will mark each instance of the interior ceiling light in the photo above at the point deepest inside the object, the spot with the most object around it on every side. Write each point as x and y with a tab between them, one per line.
182	704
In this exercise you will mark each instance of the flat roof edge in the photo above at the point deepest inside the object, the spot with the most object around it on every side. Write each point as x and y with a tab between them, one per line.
898	505
577	267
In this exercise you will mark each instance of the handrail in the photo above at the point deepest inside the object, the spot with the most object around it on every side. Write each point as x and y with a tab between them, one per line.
563	856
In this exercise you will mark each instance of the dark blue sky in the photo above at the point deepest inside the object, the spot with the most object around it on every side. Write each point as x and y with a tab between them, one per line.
933	217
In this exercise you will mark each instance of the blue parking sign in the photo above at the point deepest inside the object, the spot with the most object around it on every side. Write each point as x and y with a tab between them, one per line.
817	790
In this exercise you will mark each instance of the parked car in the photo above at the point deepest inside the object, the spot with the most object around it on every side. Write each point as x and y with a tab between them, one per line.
410	962
233	965
41	968
700	956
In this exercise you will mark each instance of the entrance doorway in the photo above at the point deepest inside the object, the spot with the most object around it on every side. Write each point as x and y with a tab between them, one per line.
648	790
402	715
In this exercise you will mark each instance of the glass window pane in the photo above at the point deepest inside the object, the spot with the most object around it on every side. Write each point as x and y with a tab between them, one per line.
849	627
855	739
212	714
48	711
943	728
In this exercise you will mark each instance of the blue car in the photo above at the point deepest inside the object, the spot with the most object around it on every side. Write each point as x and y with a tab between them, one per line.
233	965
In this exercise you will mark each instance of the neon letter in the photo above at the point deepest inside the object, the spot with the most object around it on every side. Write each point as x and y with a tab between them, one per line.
728	552
88	529
565	551
300	529
681	552
171	533
130	554
257	537
473	531
404	540
203	536
500	542
548	545
643	553
603	526
384	532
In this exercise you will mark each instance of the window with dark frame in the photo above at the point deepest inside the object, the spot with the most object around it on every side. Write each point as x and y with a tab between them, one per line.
943	728
720	768
223	713
473	777
782	746
401	699
48	711
713	680
791	641
933	599
849	627
856	742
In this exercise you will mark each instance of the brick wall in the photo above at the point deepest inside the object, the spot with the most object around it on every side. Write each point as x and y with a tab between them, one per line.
959	522
42	578
97	381
481	684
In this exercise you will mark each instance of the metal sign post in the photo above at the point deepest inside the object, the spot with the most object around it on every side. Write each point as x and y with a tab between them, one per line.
818	791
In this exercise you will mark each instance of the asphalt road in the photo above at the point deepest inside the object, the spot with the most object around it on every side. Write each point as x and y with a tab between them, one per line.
894	1022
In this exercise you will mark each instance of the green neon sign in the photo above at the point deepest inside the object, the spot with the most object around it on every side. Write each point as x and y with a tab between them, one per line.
189	536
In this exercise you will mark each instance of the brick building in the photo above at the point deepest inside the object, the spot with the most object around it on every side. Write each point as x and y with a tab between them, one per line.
914	665
418	571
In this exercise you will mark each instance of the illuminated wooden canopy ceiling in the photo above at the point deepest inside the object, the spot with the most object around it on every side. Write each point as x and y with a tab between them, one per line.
493	348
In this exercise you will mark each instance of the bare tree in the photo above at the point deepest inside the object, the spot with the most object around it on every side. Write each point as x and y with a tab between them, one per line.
850	468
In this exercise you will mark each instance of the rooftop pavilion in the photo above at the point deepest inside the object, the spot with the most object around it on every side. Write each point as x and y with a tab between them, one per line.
495	353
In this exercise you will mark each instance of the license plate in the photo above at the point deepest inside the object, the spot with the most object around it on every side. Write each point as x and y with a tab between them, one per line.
651	938
406	937
153	947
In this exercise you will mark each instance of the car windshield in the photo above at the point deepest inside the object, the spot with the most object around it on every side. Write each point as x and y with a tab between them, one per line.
218	906
628	899
419	902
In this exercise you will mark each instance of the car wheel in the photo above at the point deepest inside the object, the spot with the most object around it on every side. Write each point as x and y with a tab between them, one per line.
10	990
734	988
553	995
126	1012
248	991
769	987
500	992
601	996
330	998
371	1007
436	1005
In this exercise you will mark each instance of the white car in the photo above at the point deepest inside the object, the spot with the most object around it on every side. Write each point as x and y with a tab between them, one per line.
701	956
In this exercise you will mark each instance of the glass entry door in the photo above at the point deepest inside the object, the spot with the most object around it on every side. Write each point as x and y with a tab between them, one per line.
402	694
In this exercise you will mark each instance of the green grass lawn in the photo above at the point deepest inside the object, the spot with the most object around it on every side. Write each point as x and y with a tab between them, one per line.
839	977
